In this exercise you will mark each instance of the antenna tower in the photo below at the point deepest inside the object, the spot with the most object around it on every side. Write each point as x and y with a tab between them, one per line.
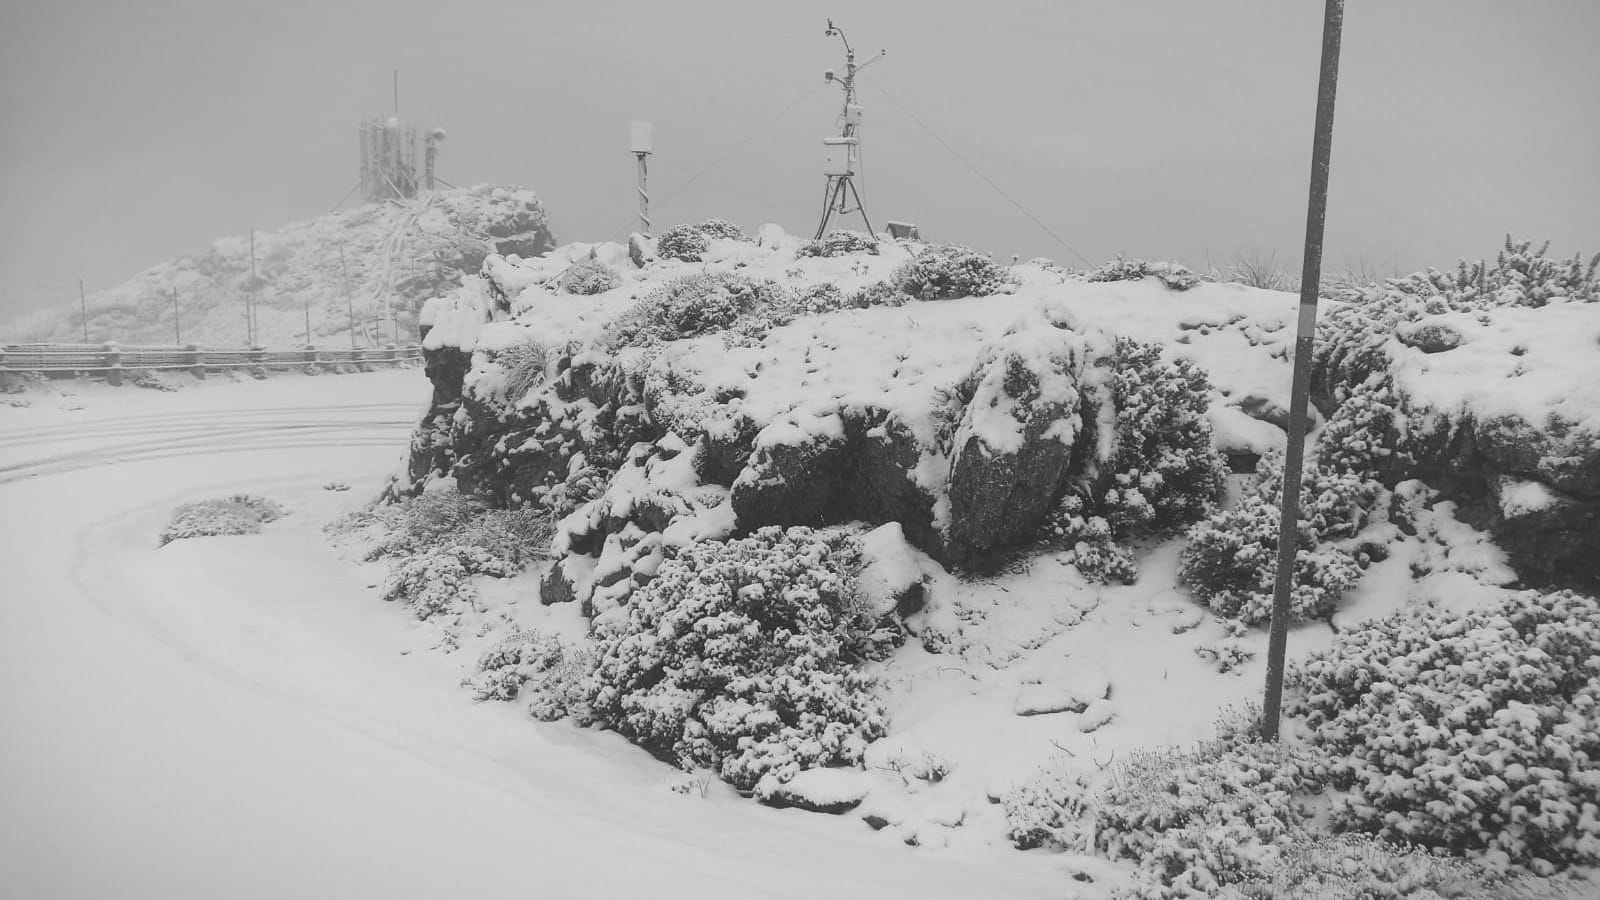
843	153
389	156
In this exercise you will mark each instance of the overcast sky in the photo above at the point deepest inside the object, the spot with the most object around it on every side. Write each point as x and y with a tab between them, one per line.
136	130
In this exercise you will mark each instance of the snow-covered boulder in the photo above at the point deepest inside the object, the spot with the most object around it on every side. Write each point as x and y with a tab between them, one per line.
1015	442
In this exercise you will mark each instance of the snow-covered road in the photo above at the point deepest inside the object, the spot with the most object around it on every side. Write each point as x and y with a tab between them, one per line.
235	717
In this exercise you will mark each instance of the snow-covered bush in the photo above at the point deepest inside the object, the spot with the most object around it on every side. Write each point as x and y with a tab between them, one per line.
1519	276
1315	865
1087	542
688	243
1363	435
694	305
948	271
238	514
438	581
540	668
524	366
1165	471
1476	732
685	243
723	230
840	243
741	657
820	298
439	520
878	293
589	276
1230	562
1051	809
1173	275
1352	338
1197	821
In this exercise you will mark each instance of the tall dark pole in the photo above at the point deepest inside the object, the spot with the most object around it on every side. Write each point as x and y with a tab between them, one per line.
83	301
307	298
177	328
1305	332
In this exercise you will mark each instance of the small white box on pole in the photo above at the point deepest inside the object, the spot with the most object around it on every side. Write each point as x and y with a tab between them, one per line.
639	140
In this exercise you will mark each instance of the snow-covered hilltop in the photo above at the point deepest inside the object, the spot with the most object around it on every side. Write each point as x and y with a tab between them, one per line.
819	392
357	264
976	553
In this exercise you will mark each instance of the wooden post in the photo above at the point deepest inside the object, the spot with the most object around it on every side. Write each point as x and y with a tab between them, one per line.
197	361
1305	333
349	305
113	363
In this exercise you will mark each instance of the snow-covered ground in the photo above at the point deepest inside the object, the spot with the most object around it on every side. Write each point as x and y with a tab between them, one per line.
242	717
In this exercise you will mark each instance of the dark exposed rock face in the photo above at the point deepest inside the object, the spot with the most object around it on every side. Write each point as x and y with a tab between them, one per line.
853	464
1545	531
434	445
860	466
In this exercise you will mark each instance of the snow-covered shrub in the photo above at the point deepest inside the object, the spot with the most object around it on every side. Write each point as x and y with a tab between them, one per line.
1476	732
524	366
1363	435
1227	654
1316	865
722	229
688	243
840	243
589	276
238	514
551	675
685	243
1519	276
1051	809
436	581
1230	562
741	657
1197	821
816	299
1088	542
948	271
509	539
878	293
699	304
1352	338
1165	471
1173	275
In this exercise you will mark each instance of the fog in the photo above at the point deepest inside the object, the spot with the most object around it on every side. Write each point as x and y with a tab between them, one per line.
136	131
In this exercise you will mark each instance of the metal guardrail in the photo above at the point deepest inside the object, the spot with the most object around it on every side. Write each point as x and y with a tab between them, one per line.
114	359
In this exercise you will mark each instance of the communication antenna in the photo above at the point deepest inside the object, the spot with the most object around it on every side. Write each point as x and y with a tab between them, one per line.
842	154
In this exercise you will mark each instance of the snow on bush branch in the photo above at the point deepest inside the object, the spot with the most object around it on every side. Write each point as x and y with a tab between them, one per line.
741	657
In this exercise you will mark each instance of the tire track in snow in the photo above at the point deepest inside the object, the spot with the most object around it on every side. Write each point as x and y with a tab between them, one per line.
162	423
230	431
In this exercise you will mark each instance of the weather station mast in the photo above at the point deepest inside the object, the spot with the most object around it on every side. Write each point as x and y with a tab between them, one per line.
842	154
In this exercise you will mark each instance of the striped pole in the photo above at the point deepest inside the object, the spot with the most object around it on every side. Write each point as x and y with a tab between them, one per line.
644	196
1305	333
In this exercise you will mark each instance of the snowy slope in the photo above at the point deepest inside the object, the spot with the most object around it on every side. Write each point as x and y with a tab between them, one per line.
354	264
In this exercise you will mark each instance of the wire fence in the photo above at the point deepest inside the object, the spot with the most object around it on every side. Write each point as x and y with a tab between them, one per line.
112	360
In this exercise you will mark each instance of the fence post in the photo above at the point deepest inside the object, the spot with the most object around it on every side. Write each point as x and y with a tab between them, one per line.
197	361
394	355
113	364
311	357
